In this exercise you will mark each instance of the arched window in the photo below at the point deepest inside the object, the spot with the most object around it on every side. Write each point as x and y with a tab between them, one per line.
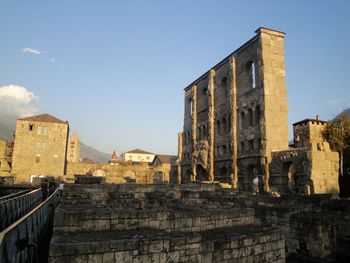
252	75
224	85
257	115
204	132
205	91
242	147
218	127
224	150
223	125
191	105
199	133
250	117
242	120
229	123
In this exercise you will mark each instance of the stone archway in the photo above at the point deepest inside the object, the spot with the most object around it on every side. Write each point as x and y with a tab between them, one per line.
186	178
288	179
251	172
99	172
201	172
158	177
130	176
224	177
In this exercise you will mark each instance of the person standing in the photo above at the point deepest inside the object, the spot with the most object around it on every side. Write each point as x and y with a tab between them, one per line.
256	185
44	189
60	187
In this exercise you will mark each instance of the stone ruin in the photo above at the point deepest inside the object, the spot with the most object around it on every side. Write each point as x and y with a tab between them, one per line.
196	223
236	126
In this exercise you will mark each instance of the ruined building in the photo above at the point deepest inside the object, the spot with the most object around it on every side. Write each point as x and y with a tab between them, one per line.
40	147
236	125
73	154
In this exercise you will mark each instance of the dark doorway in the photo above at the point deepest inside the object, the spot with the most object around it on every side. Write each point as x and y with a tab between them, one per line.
289	182
248	178
224	178
201	173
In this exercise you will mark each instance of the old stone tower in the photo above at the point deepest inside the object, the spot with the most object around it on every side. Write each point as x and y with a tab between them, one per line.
40	147
236	114
73	154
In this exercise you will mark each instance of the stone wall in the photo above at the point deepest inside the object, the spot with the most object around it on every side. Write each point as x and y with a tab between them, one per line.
202	223
256	245
39	151
305	171
158	223
126	172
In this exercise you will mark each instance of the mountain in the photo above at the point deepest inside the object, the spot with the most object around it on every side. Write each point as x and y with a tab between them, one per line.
344	113
89	153
7	130
7	126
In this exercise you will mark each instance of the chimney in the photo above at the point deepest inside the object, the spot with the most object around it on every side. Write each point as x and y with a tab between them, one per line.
317	117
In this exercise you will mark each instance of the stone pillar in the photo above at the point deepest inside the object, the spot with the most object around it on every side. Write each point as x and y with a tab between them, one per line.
179	156
194	129
265	165
211	119
274	108
233	100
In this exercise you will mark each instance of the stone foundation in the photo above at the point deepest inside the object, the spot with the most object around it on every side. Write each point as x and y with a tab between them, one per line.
196	223
248	244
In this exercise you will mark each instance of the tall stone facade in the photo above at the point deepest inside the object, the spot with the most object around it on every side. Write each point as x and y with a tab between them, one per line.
236	114
40	147
73	154
236	126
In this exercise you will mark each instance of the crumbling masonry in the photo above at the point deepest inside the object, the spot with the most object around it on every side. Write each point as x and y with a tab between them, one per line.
236	125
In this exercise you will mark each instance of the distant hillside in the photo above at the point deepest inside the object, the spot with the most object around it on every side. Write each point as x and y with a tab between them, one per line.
344	113
87	152
7	130
7	126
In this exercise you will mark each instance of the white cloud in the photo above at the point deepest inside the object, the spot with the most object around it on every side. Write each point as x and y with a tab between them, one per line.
334	103
17	100
56	62
29	50
340	103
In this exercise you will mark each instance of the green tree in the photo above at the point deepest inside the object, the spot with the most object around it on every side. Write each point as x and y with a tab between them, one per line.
337	133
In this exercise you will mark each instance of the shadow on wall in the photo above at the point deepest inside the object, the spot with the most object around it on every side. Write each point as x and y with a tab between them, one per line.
344	185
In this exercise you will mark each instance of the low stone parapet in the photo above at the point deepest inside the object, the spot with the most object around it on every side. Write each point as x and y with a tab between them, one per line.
85	218
247	243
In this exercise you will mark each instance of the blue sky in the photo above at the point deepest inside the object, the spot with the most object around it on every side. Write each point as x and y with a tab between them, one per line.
116	69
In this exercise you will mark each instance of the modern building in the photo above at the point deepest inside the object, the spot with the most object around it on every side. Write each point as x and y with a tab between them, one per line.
137	155
40	147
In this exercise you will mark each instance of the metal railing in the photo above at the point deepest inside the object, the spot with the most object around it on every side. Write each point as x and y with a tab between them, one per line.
14	208
10	196
20	242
